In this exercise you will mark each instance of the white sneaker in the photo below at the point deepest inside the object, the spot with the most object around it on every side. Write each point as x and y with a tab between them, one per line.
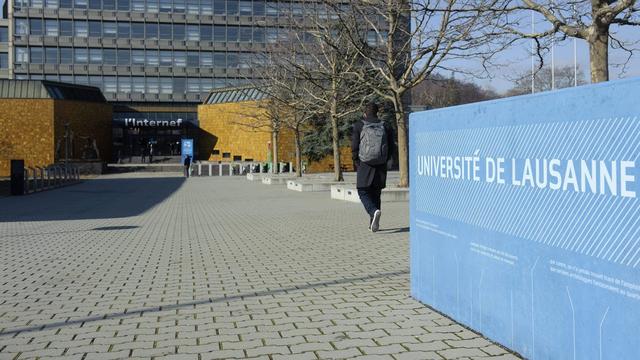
375	223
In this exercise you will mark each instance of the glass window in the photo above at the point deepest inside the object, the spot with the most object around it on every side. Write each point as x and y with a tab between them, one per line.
137	30
165	58
22	55
66	28
152	6
36	26
193	32
206	32
137	84
66	56
124	57
81	56
232	60
178	31
4	61
110	84
52	4
137	57
152	57
165	5
97	5
4	34
22	27
179	58
258	35
244	60
178	6
232	7
51	27
206	59
165	31
193	59
66	4
124	84
272	8
95	81
179	85
219	83
137	5
36	55
193	7
36	4
109	4
124	5
152	85
109	56
219	7
206	8
246	34
166	86
80	28
81	79
95	56
193	85
110	29
219	60
95	29
51	55
124	30
246	7
258	7
151	31
232	33
219	33
81	4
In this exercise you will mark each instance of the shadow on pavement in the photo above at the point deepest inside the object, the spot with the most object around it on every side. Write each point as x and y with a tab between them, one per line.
191	304
101	198
394	231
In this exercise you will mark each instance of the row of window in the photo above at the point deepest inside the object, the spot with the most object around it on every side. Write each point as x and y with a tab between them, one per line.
4	34
4	60
196	7
127	57
144	85
151	31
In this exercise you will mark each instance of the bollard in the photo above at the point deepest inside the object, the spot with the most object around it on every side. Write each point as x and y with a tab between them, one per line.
219	168
251	168
199	169
230	169
210	169
41	171
290	167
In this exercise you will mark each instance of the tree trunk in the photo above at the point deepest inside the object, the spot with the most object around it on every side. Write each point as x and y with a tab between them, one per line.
335	139
599	54
298	153
274	151
403	144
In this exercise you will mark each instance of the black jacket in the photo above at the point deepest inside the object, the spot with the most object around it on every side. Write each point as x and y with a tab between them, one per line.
370	175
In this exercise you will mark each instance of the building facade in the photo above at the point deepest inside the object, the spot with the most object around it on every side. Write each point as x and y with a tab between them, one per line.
154	60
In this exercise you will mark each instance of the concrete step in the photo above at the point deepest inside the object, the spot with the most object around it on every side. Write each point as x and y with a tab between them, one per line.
276	179
312	185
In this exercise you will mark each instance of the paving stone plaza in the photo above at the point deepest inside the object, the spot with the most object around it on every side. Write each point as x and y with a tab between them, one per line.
158	266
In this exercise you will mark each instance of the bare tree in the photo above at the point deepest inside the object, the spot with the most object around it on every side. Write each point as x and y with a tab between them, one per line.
593	21
328	68
404	41
438	91
564	77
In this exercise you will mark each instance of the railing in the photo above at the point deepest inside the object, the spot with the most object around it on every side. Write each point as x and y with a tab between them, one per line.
234	168
39	179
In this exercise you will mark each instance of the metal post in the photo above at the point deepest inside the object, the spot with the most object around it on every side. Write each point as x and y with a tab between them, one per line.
210	169
230	169
219	168
26	180
290	167
199	169
41	170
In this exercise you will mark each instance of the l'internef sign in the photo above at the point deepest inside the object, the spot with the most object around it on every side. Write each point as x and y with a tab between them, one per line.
135	123
525	219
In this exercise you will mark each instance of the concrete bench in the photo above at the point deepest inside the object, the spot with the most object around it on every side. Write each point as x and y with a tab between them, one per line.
350	193
312	185
276	179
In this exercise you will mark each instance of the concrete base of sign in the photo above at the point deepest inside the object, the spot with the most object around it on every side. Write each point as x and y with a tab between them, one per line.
350	193
313	185
255	177
276	179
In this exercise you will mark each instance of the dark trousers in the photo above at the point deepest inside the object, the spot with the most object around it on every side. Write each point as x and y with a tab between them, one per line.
370	198
186	170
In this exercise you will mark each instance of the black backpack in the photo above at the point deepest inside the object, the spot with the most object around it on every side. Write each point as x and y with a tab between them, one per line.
373	143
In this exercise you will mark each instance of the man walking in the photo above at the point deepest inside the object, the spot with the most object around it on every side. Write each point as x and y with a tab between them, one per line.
371	149
187	165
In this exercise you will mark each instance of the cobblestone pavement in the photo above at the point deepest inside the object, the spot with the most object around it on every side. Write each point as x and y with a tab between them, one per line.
149	266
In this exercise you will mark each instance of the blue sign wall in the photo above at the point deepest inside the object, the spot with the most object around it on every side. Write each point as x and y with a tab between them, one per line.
186	149
525	219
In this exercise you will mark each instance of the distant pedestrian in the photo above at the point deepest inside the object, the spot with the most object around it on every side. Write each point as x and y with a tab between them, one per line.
150	153
187	165
143	157
371	150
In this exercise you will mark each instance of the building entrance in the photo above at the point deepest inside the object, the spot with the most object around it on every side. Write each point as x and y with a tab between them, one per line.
151	137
